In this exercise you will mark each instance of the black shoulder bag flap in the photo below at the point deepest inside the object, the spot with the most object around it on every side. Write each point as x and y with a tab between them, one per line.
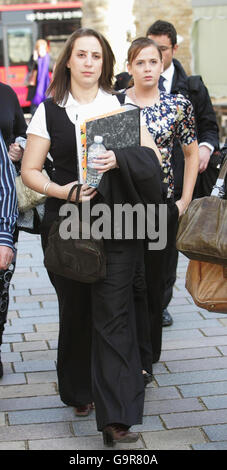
75	255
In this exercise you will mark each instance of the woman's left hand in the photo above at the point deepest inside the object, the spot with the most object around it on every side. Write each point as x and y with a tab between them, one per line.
15	152
182	206
106	161
87	193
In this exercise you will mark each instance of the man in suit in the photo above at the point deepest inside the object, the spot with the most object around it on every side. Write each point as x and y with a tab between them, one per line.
175	80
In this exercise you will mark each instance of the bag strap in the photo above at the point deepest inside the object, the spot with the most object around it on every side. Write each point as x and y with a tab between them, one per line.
223	170
194	82
121	98
219	187
78	186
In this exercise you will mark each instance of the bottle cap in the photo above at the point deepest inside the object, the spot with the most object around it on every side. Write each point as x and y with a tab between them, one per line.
98	139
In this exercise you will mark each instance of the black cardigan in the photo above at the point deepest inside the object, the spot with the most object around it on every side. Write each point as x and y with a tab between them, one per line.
138	179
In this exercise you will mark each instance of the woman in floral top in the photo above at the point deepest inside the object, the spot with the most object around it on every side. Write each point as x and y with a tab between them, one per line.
172	117
167	117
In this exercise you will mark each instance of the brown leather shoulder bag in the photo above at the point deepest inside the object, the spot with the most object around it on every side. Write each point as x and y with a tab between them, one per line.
202	232
207	284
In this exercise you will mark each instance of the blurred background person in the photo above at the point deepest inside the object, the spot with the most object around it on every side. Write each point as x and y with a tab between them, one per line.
40	67
122	81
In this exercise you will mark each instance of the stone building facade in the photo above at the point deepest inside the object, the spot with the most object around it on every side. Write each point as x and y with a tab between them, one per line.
177	12
123	20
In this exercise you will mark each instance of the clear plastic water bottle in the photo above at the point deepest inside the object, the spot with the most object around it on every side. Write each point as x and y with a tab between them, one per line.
97	148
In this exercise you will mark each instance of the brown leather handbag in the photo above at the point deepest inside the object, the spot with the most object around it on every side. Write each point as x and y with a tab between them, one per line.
202	232
207	284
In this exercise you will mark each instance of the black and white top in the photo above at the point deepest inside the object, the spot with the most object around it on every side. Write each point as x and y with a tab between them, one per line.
57	124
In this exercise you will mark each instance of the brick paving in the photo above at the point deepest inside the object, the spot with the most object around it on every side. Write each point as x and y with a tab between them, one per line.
185	406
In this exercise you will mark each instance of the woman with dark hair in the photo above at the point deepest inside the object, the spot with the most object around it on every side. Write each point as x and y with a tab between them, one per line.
166	117
98	354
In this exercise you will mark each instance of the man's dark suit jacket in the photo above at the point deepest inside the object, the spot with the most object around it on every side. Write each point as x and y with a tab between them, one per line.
205	118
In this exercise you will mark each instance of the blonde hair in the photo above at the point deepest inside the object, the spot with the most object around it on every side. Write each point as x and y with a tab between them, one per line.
41	42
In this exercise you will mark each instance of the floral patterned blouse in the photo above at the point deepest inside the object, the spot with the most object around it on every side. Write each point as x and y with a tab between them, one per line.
171	117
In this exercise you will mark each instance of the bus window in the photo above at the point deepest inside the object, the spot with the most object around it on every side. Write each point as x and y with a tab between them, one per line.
57	33
1	48
21	25
19	45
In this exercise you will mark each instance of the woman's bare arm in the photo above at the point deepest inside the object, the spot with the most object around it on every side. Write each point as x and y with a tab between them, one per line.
35	154
147	141
191	167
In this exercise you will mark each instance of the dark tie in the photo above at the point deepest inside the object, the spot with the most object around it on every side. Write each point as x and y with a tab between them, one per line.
160	83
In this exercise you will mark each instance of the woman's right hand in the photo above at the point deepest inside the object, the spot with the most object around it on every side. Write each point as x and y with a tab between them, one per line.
86	193
35	55
15	152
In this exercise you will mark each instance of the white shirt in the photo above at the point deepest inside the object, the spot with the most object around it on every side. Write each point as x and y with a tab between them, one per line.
103	103
168	76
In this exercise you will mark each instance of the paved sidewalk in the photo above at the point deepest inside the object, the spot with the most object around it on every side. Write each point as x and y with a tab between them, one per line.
186	405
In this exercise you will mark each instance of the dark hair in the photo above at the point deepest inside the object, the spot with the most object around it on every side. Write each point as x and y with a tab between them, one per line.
139	44
60	85
122	81
163	27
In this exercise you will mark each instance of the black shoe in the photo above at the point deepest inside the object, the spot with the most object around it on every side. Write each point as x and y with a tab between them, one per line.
117	433
84	410
147	378
166	318
1	368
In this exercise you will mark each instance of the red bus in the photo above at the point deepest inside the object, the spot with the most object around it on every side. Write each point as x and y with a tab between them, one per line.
21	26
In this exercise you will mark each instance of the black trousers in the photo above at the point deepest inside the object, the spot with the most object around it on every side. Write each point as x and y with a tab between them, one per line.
116	366
98	353
171	260
149	322
74	341
141	301
156	277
